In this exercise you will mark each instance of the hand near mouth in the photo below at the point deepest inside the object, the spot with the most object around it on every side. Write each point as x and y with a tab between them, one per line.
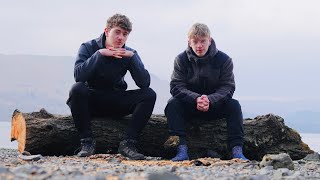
116	52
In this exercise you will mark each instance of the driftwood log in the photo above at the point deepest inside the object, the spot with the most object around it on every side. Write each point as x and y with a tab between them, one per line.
48	134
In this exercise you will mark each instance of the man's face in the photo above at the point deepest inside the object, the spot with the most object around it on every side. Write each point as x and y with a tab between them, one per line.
116	37
200	45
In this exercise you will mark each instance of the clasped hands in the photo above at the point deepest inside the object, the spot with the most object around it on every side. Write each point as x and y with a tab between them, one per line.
116	52
203	103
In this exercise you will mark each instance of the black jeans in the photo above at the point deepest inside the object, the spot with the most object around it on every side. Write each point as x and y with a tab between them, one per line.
178	112
86	103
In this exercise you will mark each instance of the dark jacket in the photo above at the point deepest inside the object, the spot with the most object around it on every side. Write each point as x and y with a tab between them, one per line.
194	76
107	73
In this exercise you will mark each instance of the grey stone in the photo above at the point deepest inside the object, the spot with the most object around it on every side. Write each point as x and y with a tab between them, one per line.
3	170
284	171
256	177
282	160
312	157
266	170
114	160
31	157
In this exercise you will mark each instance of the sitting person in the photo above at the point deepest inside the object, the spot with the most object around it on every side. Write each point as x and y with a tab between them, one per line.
100	89
202	85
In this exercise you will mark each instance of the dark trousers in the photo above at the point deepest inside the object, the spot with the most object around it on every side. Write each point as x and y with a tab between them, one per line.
178	113
86	103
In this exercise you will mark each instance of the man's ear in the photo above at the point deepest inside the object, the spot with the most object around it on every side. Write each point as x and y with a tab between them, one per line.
210	40
188	42
106	32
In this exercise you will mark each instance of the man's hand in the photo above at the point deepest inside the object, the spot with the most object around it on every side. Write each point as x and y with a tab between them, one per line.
203	103
116	52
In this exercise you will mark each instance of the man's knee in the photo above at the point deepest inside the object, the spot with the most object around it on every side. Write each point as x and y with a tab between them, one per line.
173	103
78	89
150	94
233	104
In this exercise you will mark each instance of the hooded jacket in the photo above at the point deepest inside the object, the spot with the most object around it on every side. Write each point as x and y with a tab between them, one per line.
107	73
194	76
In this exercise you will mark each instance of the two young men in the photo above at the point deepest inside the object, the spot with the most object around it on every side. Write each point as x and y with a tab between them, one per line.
202	84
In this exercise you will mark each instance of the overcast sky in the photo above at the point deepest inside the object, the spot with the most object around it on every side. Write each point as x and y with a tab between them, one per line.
274	43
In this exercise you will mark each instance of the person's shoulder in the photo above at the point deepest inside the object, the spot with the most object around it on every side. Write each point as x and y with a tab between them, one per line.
89	43
221	58
182	56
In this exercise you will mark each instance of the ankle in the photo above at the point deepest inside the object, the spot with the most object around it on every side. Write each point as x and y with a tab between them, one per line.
237	152
182	153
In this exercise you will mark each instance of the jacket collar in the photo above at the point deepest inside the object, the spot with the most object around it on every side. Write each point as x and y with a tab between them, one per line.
212	51
101	41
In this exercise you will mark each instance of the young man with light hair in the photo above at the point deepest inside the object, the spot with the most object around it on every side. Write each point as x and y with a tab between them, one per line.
202	85
100	89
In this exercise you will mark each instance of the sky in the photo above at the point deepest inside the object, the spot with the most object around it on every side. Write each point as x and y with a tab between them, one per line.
274	44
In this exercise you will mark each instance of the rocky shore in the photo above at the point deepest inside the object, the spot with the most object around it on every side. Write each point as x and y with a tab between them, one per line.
114	166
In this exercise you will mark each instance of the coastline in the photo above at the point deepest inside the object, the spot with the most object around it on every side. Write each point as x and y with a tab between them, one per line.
114	166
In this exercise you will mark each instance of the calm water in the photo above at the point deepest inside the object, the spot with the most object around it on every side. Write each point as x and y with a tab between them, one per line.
313	140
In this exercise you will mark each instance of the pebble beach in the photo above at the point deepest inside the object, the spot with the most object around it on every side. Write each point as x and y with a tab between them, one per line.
114	166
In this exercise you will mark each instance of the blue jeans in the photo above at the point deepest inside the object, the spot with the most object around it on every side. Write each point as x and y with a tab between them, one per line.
178	113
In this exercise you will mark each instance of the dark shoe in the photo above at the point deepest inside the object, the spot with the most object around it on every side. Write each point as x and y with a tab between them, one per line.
88	146
128	149
182	153
237	153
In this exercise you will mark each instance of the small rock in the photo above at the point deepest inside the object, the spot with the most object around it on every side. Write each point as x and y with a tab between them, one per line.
172	142
149	158
160	176
200	163
266	170
256	177
114	160
31	157
312	157
15	161
3	170
282	160
281	172
26	153
173	169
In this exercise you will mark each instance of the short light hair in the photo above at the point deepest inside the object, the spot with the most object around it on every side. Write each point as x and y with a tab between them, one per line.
119	20
198	30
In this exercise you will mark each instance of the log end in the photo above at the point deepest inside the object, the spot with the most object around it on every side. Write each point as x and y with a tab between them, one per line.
18	129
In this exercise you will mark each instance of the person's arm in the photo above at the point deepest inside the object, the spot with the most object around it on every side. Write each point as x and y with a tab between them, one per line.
139	74
85	64
226	84
178	84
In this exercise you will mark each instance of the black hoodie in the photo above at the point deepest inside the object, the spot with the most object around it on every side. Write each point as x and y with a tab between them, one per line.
194	76
107	73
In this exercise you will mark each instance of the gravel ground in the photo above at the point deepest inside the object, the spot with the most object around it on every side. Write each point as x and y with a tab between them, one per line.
114	166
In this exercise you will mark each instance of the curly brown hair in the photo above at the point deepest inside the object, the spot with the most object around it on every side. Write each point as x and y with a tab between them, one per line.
121	21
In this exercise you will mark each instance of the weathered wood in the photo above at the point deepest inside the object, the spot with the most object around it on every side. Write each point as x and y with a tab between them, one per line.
48	134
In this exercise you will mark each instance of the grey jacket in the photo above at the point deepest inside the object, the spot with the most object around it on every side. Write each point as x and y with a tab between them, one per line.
107	73
194	76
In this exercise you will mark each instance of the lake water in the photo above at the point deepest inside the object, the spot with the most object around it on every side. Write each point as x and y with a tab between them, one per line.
313	140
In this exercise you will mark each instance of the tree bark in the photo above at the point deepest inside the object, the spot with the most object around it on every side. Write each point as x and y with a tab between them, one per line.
48	134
